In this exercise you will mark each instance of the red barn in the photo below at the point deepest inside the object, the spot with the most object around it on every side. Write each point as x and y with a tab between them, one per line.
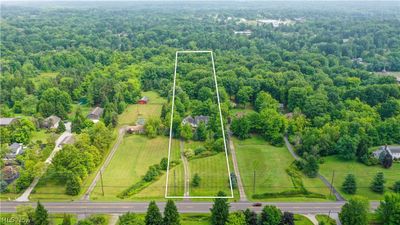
143	100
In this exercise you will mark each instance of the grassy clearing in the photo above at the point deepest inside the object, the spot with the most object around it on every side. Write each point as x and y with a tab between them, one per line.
213	173
326	219
364	175
85	109
270	164
130	162
301	220
135	111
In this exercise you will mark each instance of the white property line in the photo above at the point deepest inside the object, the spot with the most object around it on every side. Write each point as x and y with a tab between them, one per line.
222	126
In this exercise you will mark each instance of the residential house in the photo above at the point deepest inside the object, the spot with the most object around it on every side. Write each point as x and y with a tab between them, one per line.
15	149
51	122
7	121
194	122
138	128
95	114
143	100
393	150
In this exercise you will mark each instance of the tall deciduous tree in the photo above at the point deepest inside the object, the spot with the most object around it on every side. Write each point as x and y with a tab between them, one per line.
270	215
355	212
389	209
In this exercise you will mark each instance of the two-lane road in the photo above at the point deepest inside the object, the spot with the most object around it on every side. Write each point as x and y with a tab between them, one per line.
86	207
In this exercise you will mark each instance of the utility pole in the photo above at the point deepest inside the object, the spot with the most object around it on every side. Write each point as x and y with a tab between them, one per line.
174	182
333	176
254	182
101	180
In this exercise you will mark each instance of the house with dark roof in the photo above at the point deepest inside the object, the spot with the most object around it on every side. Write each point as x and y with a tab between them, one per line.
194	122
7	121
143	100
51	122
393	150
95	114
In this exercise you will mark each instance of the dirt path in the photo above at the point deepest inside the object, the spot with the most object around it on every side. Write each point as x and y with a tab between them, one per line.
185	169
338	196
242	193
121	133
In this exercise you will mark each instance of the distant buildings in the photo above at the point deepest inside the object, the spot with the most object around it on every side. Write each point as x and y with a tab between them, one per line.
95	114
275	23
143	100
7	121
394	151
194	122
244	32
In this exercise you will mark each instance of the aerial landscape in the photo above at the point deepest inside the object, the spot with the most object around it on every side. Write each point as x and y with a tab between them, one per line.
200	112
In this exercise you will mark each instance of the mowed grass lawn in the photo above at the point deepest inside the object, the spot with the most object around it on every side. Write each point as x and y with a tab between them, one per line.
213	172
364	175
130	162
135	111
270	164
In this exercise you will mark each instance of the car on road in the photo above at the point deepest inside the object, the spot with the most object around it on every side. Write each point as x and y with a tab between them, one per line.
257	204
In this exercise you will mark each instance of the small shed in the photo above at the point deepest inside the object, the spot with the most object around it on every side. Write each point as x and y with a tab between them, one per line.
95	114
143	100
51	122
7	121
137	129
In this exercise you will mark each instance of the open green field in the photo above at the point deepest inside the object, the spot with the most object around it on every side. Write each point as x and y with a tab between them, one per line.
130	162
269	164
135	111
364	175
213	173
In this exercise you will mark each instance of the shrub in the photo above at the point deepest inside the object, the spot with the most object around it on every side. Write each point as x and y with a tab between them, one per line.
199	150
196	180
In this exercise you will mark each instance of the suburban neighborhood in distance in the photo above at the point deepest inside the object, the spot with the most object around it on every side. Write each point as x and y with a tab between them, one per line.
200	112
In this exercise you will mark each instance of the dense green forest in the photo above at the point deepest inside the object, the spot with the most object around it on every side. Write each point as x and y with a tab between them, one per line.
321	78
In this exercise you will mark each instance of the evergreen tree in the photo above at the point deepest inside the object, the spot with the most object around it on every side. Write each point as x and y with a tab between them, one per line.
349	185
171	215
220	210
66	220
288	218
153	215
378	183
270	215
251	217
355	212
196	180
41	215
387	160
201	132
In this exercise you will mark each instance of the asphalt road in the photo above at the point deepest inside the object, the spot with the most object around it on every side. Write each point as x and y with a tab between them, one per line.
85	207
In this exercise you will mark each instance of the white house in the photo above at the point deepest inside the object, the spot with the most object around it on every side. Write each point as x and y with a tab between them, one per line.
393	150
